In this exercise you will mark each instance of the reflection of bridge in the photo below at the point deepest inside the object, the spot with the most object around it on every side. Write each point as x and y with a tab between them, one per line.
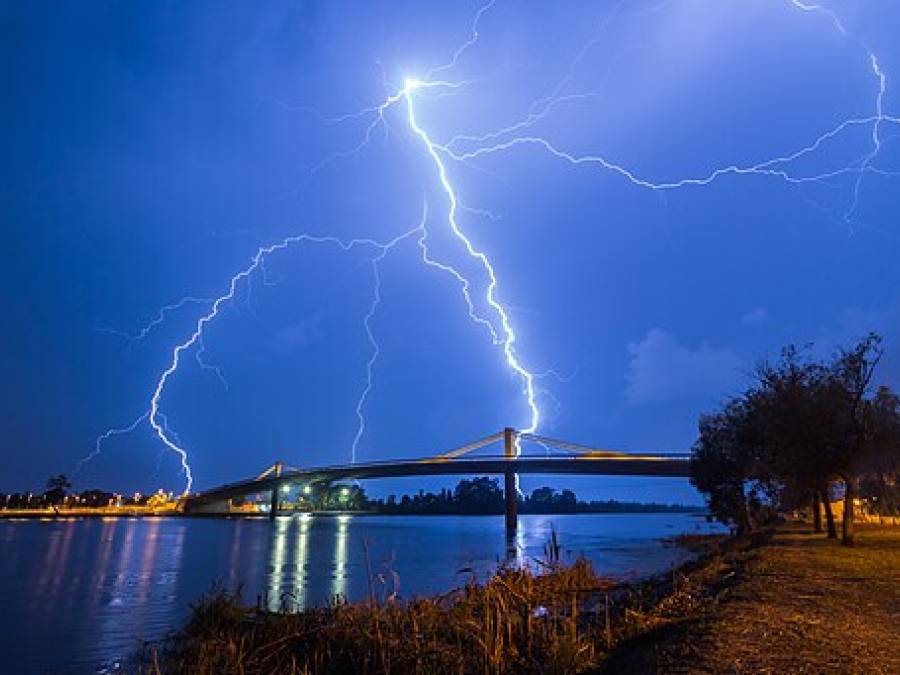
570	458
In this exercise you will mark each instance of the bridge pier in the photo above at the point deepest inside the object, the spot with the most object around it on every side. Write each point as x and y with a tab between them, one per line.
509	486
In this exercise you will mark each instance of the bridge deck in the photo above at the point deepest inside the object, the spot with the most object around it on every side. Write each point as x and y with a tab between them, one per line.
601	464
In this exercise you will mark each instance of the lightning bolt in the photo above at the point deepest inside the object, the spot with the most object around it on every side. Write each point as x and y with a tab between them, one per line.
465	286
466	150
876	132
507	138
109	433
488	143
370	336
509	336
155	416
211	367
157	320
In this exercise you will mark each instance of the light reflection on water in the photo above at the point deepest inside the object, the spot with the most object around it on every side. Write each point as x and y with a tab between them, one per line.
301	560
340	570
79	594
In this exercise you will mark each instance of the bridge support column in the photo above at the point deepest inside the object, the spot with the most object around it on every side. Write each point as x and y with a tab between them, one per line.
273	509
509	486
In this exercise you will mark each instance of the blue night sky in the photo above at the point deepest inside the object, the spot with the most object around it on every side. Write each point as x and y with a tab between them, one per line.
150	148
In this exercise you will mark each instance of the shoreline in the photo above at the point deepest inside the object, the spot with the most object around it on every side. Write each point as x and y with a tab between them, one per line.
129	513
781	601
547	604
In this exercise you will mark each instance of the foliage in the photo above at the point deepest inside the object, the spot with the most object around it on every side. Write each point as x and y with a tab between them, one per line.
57	489
722	464
479	495
800	425
487	495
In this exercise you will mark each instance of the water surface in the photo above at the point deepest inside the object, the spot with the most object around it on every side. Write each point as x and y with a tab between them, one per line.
79	594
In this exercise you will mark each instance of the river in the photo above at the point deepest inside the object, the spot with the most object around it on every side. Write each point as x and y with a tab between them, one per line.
78	595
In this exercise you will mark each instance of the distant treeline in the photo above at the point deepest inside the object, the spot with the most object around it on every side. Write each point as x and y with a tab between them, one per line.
58	495
474	496
484	496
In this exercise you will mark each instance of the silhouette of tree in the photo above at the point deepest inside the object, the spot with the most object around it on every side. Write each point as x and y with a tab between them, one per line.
800	425
57	489
479	495
855	417
722	465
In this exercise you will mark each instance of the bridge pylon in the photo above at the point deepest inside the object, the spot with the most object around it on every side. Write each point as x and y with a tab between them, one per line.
510	492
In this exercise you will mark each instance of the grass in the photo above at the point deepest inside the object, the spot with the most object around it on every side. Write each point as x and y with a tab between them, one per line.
801	603
517	622
786	602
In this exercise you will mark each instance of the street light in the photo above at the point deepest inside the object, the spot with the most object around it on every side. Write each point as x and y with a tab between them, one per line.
285	488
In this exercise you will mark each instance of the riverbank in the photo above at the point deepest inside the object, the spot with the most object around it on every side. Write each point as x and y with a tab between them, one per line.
136	578
88	512
551	618
788	602
151	512
799	603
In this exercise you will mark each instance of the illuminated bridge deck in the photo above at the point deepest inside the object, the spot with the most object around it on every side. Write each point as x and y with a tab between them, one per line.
597	463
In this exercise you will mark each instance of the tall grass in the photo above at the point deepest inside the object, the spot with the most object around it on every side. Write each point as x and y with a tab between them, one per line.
565	619
516	622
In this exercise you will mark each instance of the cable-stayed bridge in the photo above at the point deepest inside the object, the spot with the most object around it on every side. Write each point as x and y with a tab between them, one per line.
559	457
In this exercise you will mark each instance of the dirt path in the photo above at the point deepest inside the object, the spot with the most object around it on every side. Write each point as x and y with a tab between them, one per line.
801	604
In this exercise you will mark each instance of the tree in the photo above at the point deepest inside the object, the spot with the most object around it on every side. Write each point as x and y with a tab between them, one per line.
479	495
542	497
786	405
721	465
57	489
881	461
851	379
567	502
801	425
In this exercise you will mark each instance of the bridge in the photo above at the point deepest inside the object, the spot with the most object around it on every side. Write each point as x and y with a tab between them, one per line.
561	457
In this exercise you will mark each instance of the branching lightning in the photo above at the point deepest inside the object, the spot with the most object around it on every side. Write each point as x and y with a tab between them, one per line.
108	434
491	143
466	149
211	367
156	418
370	336
158	319
506	138
509	335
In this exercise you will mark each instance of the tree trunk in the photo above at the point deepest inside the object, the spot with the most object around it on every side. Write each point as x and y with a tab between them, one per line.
847	529
817	513
829	515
